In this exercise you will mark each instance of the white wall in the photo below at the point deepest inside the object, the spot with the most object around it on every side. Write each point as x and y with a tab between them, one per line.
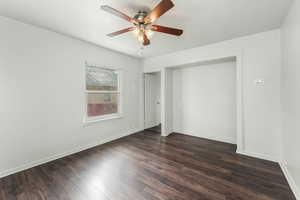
291	92
261	58
204	101
152	100
42	95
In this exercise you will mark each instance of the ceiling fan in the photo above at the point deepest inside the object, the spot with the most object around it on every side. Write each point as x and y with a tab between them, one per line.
143	26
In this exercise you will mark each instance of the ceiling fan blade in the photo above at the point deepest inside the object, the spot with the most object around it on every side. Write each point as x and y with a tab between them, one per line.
159	10
118	13
121	32
146	40
167	30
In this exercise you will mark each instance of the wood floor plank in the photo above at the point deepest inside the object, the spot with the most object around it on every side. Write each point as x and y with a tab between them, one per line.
146	166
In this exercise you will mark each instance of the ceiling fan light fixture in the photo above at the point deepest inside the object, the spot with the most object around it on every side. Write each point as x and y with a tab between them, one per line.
142	29
149	33
141	37
136	31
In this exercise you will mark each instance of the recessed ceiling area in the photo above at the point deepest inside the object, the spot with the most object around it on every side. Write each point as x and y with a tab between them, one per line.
203	21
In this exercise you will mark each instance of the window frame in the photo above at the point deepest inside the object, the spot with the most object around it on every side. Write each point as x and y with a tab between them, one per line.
119	114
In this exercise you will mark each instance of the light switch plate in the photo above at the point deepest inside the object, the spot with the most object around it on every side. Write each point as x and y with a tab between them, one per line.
259	82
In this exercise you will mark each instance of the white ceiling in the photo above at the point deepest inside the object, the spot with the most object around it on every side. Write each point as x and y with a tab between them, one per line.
204	21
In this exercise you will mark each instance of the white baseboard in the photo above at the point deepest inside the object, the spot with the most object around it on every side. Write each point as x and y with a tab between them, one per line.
61	155
226	140
258	155
290	180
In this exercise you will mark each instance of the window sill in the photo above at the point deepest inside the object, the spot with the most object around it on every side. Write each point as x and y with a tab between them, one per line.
87	122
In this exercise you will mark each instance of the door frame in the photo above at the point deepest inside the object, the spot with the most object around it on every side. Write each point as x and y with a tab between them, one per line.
238	56
144	97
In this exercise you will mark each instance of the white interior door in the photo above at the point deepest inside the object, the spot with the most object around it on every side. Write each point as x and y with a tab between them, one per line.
152	100
158	98
167	101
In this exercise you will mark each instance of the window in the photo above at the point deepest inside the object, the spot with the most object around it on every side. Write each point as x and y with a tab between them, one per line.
102	93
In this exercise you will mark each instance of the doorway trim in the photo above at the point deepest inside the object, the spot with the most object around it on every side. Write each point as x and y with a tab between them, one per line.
238	56
144	97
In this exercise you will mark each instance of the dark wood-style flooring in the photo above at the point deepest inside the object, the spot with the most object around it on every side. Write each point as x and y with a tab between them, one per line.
145	166
156	129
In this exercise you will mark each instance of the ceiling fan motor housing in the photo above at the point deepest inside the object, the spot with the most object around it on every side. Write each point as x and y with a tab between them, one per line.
140	16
